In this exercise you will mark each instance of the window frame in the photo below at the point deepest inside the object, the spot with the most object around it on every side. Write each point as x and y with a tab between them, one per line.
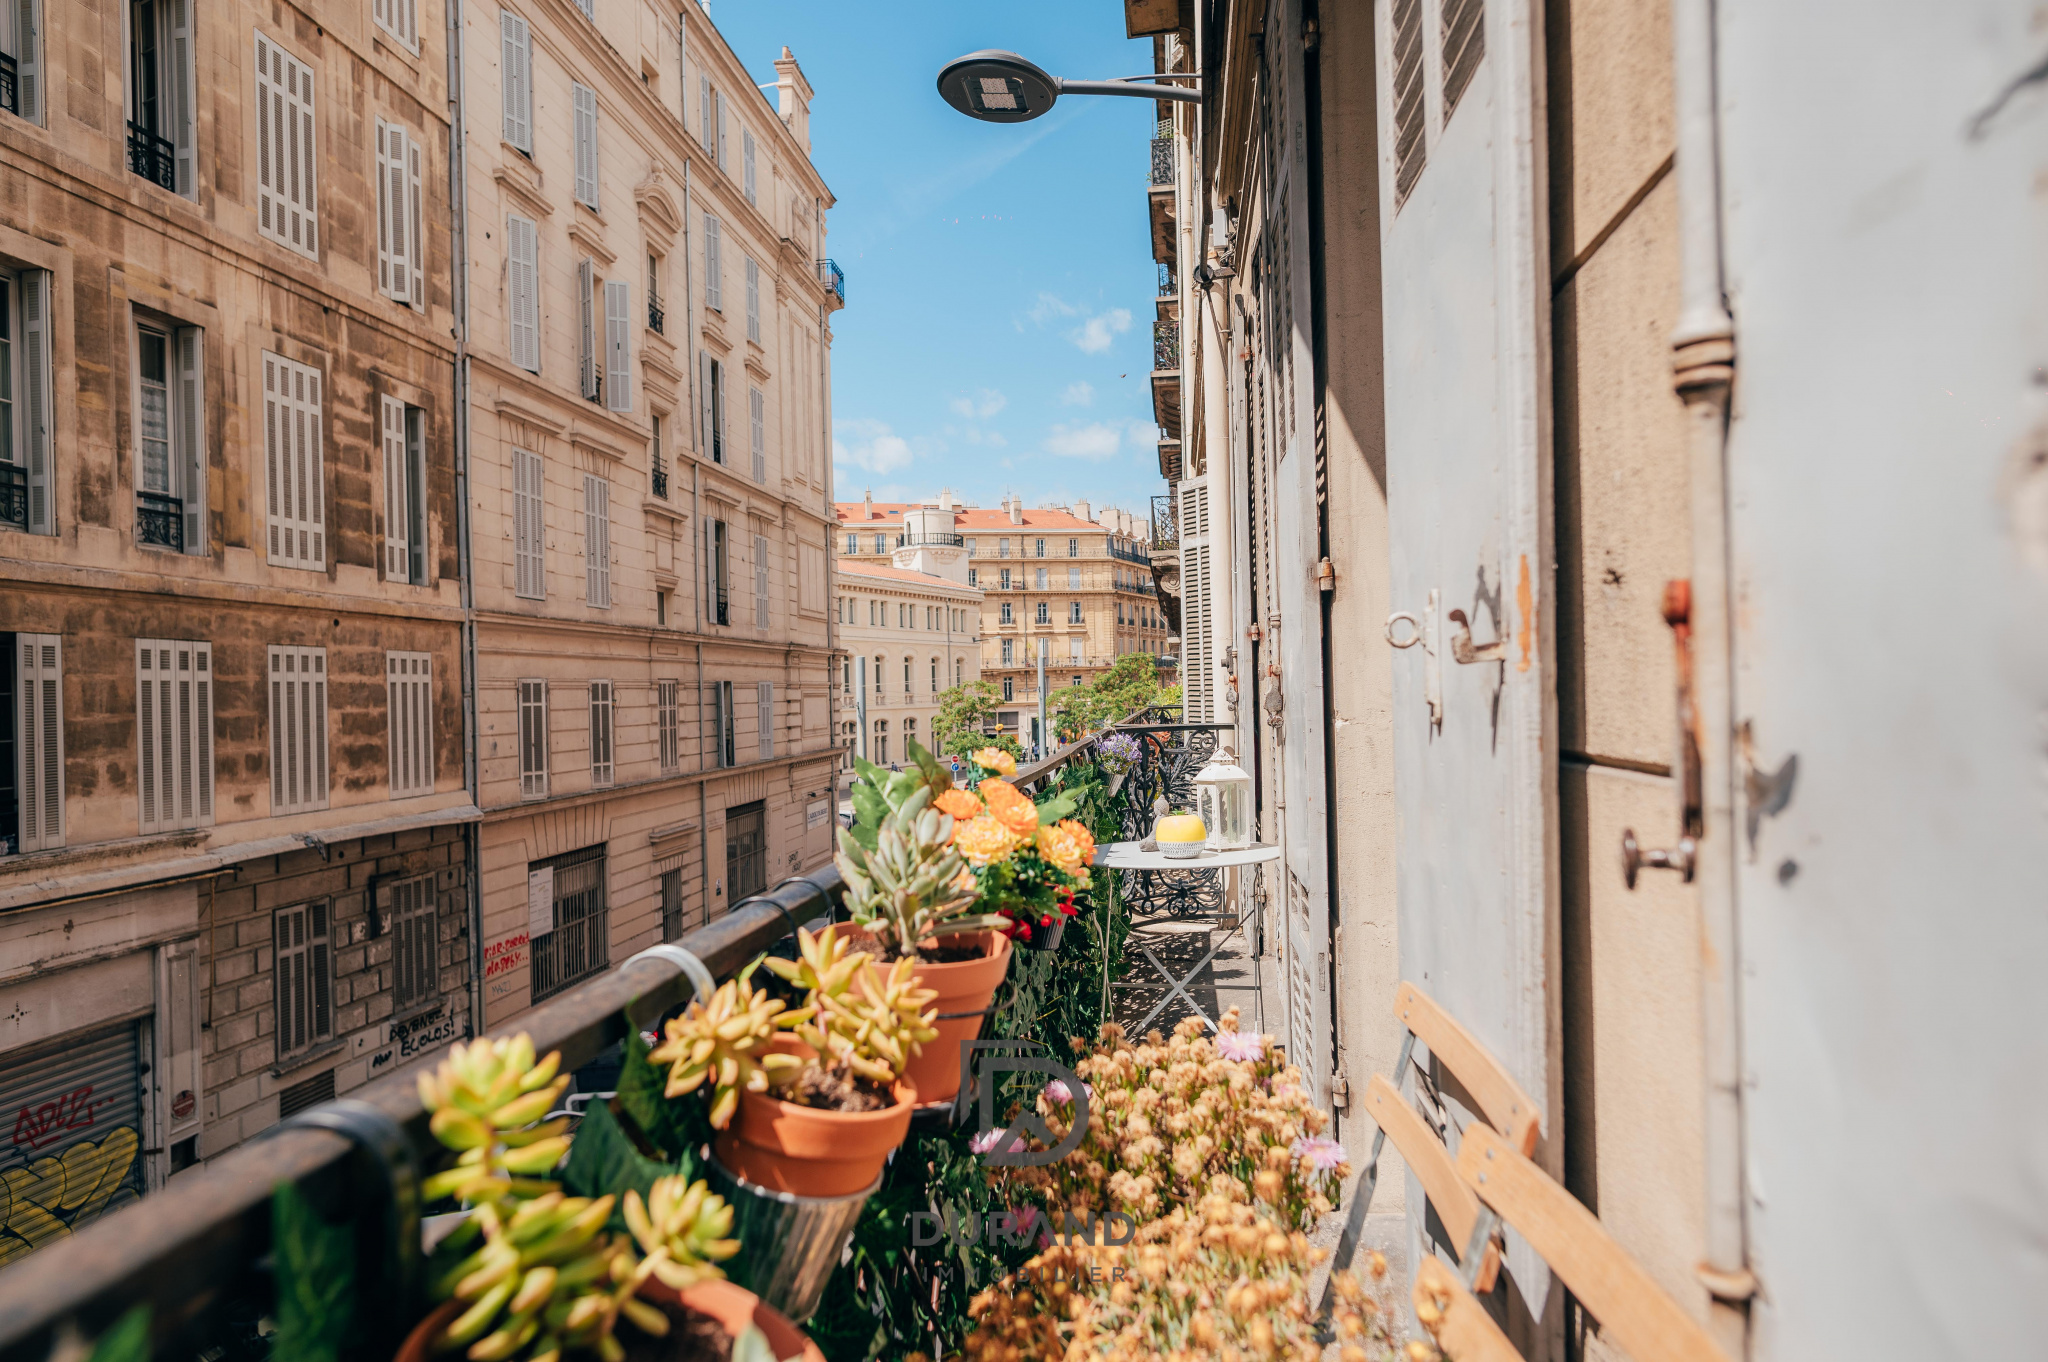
602	735
290	986
409	724
531	702
298	736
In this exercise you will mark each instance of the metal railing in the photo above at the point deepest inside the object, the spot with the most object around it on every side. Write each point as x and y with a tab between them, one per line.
1130	555
1162	163
655	316
931	541
570	954
152	157
13	495
721	612
1165	345
188	1251
833	278
1165	522
661	482
10	85
160	520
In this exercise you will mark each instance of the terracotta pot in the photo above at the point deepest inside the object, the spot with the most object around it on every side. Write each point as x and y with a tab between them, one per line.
812	1152
964	986
732	1306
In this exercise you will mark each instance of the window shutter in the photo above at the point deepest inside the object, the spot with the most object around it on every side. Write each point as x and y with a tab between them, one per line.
28	57
747	163
722	410
533	739
292	463
298	729
601	733
586	295
397	498
708	403
766	720
304	984
718	97
589	8
757	432
191	434
415	972
35	397
416	241
704	115
409	688
287	179
753	301
714	288
529	523
585	100
392	275
517	76
761	580
174	733
39	740
182	74
666	721
522	276
618	311
597	541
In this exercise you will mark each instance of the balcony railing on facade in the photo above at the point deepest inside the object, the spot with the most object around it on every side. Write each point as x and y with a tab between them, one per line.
655	316
1167	289
1166	345
152	157
660	481
10	85
160	520
721	610
1162	164
833	278
1165	522
937	540
13	495
1130	555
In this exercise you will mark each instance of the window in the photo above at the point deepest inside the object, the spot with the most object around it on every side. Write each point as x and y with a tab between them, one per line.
1007	617
881	742
970	548
654	314
878	678
415	942
753	301
589	8
712	393
533	739
1073	612
718	102
723	727
31	743
405	527
973	576
1009	685
170	437
584	101
659	468
1076	650
671	904
174	734
906	678
618	351
293	481
902	615
529	526
287	157
565	906
1009	651
667	727
589	374
1002	548
522	291
516	63
853	543
159	92
746	851
601	733
909	734
25	480
757	431
1041	548
597	542
718	579
747	177
935	676
305	977
846	677
298	729
1040	581
409	684
401	19
1073	579
1073	548
765	717
760	581
401	246
881	543
1044	612
714	287
958	664
28	58
1006	579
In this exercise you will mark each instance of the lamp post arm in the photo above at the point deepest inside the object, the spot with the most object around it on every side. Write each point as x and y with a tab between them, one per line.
1130	88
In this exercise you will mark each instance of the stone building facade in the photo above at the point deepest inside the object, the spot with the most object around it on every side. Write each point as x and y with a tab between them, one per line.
908	637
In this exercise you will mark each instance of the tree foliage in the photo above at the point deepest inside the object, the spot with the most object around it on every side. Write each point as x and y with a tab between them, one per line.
1130	685
966	714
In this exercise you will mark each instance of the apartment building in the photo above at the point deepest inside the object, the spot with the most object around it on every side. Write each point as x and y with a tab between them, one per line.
234	829
907	636
1071	583
648	382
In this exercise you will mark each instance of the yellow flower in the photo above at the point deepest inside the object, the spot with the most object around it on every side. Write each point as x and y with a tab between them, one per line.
1083	838
983	840
995	759
1012	806
960	803
1057	844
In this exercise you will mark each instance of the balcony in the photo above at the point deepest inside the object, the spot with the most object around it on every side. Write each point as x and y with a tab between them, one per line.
1166	377
1166	345
1165	520
14	495
1162	163
1169	460
160	520
655	316
152	157
660	482
834	280
10	85
1130	555
1159	197
931	541
721	613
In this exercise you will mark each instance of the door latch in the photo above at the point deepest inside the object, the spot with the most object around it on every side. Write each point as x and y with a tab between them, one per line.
1683	857
1425	632
1462	649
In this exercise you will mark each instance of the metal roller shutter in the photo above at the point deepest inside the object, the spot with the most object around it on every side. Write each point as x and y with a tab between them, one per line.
74	1116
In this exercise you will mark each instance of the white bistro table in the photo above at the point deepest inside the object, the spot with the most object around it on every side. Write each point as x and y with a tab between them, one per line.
1134	856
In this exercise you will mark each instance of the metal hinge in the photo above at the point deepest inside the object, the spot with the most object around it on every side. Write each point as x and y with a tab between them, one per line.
1340	1093
1326	576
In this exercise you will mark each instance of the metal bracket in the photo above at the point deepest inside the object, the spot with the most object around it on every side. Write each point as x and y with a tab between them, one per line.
1683	857
699	974
1462	649
1426	633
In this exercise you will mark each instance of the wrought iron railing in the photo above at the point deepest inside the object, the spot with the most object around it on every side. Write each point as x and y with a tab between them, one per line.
160	520
1165	522
13	495
655	316
1166	345
833	278
661	482
10	85
1162	162
1130	555
721	612
152	157
931	541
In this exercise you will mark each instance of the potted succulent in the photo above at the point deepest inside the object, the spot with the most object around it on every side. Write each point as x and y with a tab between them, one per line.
531	1273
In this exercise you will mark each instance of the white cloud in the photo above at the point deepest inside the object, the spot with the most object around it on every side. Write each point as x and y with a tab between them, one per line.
1051	305
983	404
869	445
1079	395
1145	433
1095	335
1096	440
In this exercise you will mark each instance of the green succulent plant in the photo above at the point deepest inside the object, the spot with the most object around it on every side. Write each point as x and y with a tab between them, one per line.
854	1014
910	884
488	1099
724	1042
683	1231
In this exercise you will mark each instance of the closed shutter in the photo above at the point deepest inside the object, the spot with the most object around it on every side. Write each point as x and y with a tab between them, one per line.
409	686
39	740
416	249
618	306
753	301
761	581
298	729
287	181
714	289
522	288
36	400
191	433
586	302
704	115
529	525
401	19
707	397
747	164
28	59
174	733
533	739
584	100
415	943
292	464
600	733
183	136
718	98
77	1116
766	720
397	494
516	89
305	977
666	724
597	541
394	272
1198	675
757	431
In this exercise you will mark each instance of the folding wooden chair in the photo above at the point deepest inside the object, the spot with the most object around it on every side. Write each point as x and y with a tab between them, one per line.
1508	1114
1634	1312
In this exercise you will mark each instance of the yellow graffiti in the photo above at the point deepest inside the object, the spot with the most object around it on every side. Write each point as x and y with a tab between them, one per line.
54	1196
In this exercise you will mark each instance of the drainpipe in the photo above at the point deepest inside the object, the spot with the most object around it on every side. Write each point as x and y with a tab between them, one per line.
458	213
1703	368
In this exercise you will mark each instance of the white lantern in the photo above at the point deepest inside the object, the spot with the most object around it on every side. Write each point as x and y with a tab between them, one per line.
1223	796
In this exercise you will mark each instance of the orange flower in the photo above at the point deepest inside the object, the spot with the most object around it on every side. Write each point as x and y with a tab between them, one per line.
1011	805
983	840
995	759
960	803
1082	838
1057	845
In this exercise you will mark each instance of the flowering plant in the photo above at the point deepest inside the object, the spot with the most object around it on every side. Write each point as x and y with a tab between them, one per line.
1117	754
1026	858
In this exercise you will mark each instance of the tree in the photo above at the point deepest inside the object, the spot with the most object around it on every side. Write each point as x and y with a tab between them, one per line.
1130	685
966	717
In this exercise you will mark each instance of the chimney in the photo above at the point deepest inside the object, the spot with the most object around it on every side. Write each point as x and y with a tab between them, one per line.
945	498
1081	510
793	98
1015	505
868	504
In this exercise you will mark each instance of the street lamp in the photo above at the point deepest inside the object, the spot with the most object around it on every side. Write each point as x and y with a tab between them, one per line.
1002	87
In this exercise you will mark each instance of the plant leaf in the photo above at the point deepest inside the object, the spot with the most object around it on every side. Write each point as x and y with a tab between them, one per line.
603	1162
316	1279
126	1340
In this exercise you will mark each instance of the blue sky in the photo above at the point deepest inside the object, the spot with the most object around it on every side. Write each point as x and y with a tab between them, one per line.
997	333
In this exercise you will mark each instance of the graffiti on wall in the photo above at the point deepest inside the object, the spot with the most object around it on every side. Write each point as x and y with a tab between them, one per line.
61	1191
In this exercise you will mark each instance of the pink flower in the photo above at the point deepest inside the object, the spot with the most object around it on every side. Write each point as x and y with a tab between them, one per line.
1240	1046
1321	1153
1059	1092
989	1139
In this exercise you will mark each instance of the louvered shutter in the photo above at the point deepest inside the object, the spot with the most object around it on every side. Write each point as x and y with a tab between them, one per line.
415	971
722	411
618	375
757	431
392	275
39	740
409	688
35	400
401	18
597	541
522	287
714	287
589	8
761	581
287	180
295	487
516	75
529	524
182	74
28	59
397	494
304	988
586	302
747	163
585	101
174	733
718	98
707	400
753	301
766	719
298	729
704	114
190	354
415	208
